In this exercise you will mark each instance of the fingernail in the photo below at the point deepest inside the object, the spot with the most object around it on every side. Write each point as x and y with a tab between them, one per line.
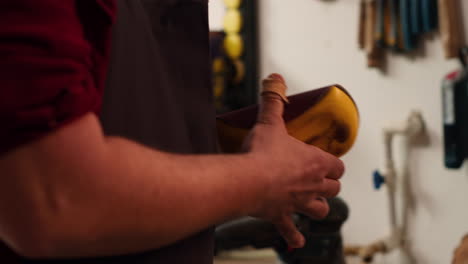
302	243
299	243
322	199
276	76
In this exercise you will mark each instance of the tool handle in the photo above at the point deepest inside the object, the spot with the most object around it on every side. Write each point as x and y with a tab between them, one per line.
379	23
405	18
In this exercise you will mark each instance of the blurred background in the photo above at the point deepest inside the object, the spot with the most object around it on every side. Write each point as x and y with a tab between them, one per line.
316	43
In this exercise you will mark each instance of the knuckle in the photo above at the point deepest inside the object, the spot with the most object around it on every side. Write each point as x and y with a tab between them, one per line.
316	170
323	212
340	167
319	163
269	119
338	188
318	209
272	97
330	188
317	166
335	190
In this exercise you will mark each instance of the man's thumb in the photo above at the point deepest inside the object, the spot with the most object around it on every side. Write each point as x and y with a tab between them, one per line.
273	97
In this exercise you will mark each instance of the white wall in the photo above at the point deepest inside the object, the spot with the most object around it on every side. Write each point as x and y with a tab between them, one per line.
216	14
314	43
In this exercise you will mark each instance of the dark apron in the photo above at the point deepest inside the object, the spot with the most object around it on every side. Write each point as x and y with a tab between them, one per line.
159	94
159	88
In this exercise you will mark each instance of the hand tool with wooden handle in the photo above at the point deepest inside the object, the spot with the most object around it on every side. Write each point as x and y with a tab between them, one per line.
415	13
429	15
405	23
450	27
380	23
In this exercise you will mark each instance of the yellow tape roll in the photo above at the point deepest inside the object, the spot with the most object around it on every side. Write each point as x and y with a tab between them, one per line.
233	4
233	46
233	21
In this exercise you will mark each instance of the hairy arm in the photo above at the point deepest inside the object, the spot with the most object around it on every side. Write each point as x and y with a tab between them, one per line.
75	192
79	193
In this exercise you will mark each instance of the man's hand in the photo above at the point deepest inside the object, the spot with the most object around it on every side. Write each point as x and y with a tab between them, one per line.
300	177
69	183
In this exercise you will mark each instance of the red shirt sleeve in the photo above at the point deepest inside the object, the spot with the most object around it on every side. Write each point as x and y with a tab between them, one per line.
53	61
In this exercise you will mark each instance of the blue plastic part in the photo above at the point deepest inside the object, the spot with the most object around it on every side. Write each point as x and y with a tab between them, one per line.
379	180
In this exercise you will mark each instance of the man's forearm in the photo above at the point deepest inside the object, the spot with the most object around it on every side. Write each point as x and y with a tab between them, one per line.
78	193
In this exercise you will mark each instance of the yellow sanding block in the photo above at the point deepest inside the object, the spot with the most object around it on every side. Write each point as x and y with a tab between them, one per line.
327	118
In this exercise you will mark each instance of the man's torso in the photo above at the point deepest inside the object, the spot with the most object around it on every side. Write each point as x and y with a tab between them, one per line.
158	93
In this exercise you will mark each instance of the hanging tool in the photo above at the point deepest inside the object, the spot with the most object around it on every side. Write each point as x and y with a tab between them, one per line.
406	29
362	25
455	114
374	51
370	10
398	25
415	12
394	34
380	23
450	27
388	21
429	15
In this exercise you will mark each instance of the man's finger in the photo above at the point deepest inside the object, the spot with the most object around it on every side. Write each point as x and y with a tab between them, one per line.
315	208
273	98
290	233
330	188
335	165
